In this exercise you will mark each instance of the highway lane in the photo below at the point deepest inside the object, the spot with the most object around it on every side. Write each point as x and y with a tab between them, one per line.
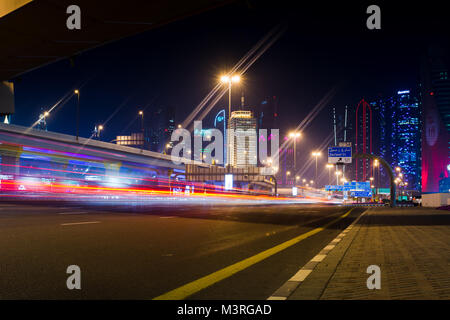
145	252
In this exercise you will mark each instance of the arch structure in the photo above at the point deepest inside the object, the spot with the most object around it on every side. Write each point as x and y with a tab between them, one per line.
388	169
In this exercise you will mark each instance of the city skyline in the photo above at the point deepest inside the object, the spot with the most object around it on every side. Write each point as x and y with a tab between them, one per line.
217	153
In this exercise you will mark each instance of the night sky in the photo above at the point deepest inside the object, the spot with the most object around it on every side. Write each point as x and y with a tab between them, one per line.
326	45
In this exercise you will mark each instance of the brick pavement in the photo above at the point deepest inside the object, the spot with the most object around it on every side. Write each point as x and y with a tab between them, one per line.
410	245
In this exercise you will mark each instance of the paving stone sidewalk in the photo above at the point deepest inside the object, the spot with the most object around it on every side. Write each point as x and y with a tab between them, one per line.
410	245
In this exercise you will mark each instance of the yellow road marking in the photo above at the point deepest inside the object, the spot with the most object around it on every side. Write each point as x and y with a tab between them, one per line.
197	285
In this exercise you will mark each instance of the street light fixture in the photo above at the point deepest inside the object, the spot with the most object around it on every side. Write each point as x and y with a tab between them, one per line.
141	114
77	92
316	154
99	130
338	173
294	135
329	166
229	80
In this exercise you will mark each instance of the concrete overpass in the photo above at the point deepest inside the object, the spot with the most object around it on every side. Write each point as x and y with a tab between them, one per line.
33	33
15	140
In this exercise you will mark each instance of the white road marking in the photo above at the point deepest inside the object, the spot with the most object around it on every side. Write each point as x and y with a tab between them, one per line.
168	217
301	275
319	257
76	223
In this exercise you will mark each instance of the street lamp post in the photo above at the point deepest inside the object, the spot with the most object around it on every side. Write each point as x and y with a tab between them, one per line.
338	173
295	135
329	166
77	92
316	154
141	113
229	80
99	130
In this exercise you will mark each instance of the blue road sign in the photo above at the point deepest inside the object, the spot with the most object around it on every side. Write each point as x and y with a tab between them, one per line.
340	155
340	152
357	186
334	188
361	194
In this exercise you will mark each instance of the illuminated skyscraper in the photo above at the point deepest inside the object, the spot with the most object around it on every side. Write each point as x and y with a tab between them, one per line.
407	127
397	136
242	139
435	99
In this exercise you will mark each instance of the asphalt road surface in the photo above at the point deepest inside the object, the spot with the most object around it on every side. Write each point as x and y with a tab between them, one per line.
147	252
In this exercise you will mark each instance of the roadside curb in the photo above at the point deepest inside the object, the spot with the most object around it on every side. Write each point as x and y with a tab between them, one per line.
290	286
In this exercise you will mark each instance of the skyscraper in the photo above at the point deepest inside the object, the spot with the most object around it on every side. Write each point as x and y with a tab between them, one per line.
397	133
267	113
435	99
242	139
407	138
161	124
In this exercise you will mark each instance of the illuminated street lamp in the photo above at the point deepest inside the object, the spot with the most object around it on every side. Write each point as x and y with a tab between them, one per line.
230	80
398	169
294	135
77	92
338	173
329	166
376	165
316	154
99	130
141	114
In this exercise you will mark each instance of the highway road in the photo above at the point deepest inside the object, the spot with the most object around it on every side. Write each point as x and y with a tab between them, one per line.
219	252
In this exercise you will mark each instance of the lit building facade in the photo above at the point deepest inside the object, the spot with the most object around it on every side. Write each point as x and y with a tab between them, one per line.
242	139
408	140
435	99
159	128
133	140
397	136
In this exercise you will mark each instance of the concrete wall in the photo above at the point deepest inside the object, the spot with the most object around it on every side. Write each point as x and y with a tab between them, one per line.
435	199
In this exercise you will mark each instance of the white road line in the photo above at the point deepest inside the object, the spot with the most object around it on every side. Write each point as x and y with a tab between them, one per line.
319	257
168	217
301	275
75	223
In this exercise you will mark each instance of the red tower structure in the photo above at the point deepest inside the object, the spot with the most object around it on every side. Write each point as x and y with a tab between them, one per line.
364	106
